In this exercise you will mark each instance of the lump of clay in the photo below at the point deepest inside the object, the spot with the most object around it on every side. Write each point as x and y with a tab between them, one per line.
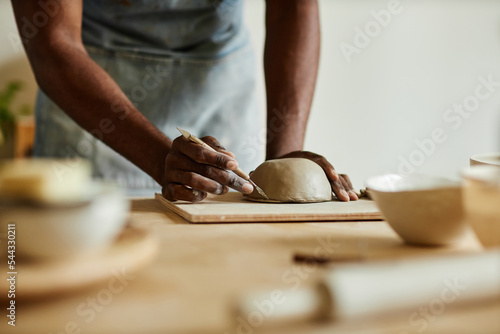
291	180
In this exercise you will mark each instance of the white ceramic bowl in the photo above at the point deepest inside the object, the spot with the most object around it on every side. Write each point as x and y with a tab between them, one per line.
69	230
486	159
422	209
482	203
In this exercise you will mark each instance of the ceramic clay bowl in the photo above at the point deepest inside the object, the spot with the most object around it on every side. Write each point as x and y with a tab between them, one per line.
52	232
481	200
485	159
422	209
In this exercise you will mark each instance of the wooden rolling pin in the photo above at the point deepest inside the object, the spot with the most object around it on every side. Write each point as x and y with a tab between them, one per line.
360	290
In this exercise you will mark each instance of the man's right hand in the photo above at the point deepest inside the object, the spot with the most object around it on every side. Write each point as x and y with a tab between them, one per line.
192	171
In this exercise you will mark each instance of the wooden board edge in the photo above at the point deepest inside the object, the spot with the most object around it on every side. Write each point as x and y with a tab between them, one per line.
230	219
174	208
288	218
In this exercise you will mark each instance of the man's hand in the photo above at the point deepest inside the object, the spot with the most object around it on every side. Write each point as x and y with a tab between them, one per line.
192	171
341	184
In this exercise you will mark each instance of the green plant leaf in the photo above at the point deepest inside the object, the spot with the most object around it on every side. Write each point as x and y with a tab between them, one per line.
7	95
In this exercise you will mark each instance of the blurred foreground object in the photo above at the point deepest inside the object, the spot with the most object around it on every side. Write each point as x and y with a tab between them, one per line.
132	249
485	159
57	209
45	180
355	291
482	203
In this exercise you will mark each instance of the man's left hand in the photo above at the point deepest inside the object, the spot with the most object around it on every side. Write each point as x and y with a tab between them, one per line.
341	184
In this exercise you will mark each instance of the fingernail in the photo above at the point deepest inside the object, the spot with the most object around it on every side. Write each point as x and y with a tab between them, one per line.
247	188
353	195
232	165
346	195
196	193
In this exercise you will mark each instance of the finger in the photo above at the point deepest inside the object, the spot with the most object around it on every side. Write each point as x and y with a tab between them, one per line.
319	159
221	176
352	191
214	143
226	178
175	192
339	190
346	182
197	181
203	155
328	168
231	154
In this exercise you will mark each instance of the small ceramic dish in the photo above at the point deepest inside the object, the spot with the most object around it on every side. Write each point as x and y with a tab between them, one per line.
51	232
422	209
486	159
481	201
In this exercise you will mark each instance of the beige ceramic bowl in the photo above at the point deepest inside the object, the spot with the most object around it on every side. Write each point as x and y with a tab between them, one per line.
485	159
482	203
424	210
53	232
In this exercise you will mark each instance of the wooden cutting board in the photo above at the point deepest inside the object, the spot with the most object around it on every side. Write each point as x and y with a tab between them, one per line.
233	208
132	250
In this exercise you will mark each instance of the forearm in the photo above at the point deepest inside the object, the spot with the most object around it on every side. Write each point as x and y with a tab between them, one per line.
91	97
291	61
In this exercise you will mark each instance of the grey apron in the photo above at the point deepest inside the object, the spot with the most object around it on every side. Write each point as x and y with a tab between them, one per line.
182	63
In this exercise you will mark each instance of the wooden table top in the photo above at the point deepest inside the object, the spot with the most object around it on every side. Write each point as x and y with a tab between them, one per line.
191	285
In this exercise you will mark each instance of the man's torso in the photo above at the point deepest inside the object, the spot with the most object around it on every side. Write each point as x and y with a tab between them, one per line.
185	28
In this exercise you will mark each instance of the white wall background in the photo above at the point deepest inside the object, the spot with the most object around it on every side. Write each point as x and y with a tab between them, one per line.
367	114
